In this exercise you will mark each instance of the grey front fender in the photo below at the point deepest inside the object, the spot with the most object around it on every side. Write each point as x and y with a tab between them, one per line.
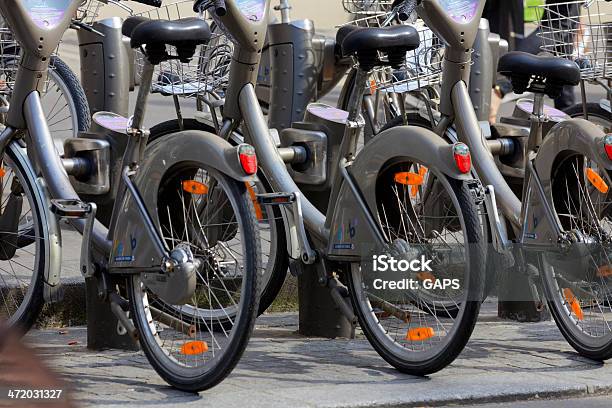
132	249
350	237
575	135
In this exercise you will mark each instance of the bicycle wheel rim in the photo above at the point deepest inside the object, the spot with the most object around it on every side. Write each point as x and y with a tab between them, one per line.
211	329
25	272
394	336
581	299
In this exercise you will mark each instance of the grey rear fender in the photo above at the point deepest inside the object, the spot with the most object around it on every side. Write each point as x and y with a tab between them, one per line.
132	249
350	238
574	135
195	145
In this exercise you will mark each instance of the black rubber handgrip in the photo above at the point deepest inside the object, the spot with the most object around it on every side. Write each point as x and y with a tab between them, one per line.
220	9
405	9
154	3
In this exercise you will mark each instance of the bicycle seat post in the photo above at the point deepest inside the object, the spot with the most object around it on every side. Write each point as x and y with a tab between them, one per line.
143	95
537	121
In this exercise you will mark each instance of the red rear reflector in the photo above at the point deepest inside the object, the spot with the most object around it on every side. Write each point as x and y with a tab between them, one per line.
463	159
420	334
248	159
608	145
2	172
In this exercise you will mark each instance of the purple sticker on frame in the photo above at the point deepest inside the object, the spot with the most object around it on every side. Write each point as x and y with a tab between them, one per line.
47	13
462	11
253	10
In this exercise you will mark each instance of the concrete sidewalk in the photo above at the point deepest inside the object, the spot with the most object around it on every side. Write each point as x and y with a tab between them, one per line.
503	362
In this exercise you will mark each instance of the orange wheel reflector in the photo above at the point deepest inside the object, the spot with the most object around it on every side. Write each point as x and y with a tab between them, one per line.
195	187
420	334
414	191
192	348
2	172
573	303
597	181
604	271
426	276
373	86
409	179
258	211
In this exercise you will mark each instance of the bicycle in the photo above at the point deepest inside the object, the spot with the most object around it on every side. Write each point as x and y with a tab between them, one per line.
412	331
559	228
557	233
183	226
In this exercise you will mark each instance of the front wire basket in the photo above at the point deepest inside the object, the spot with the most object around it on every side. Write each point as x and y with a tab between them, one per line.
367	7
89	10
579	31
208	70
422	67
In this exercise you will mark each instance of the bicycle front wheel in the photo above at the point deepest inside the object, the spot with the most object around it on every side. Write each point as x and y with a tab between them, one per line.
195	345
423	328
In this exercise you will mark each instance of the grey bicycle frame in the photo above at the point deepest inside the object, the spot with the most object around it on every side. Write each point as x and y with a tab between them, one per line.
347	197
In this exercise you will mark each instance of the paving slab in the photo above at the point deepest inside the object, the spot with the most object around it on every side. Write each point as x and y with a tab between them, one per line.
503	362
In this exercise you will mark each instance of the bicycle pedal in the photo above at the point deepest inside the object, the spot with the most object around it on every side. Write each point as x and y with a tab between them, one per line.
71	209
276	199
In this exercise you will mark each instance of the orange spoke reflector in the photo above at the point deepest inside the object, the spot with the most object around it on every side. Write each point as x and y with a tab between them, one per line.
414	191
420	334
2	172
373	86
192	348
574	303
426	276
597	181
409	179
258	211
604	271
194	187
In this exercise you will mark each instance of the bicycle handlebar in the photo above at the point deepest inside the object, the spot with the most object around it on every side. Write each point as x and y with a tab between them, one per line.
154	3
217	5
405	8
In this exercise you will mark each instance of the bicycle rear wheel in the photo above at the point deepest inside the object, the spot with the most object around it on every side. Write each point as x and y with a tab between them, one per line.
24	241
195	345
274	257
578	283
422	330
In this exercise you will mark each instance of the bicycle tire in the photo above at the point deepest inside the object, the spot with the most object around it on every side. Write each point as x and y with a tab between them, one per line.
77	93
573	310
169	369
377	334
270	288
27	313
594	110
